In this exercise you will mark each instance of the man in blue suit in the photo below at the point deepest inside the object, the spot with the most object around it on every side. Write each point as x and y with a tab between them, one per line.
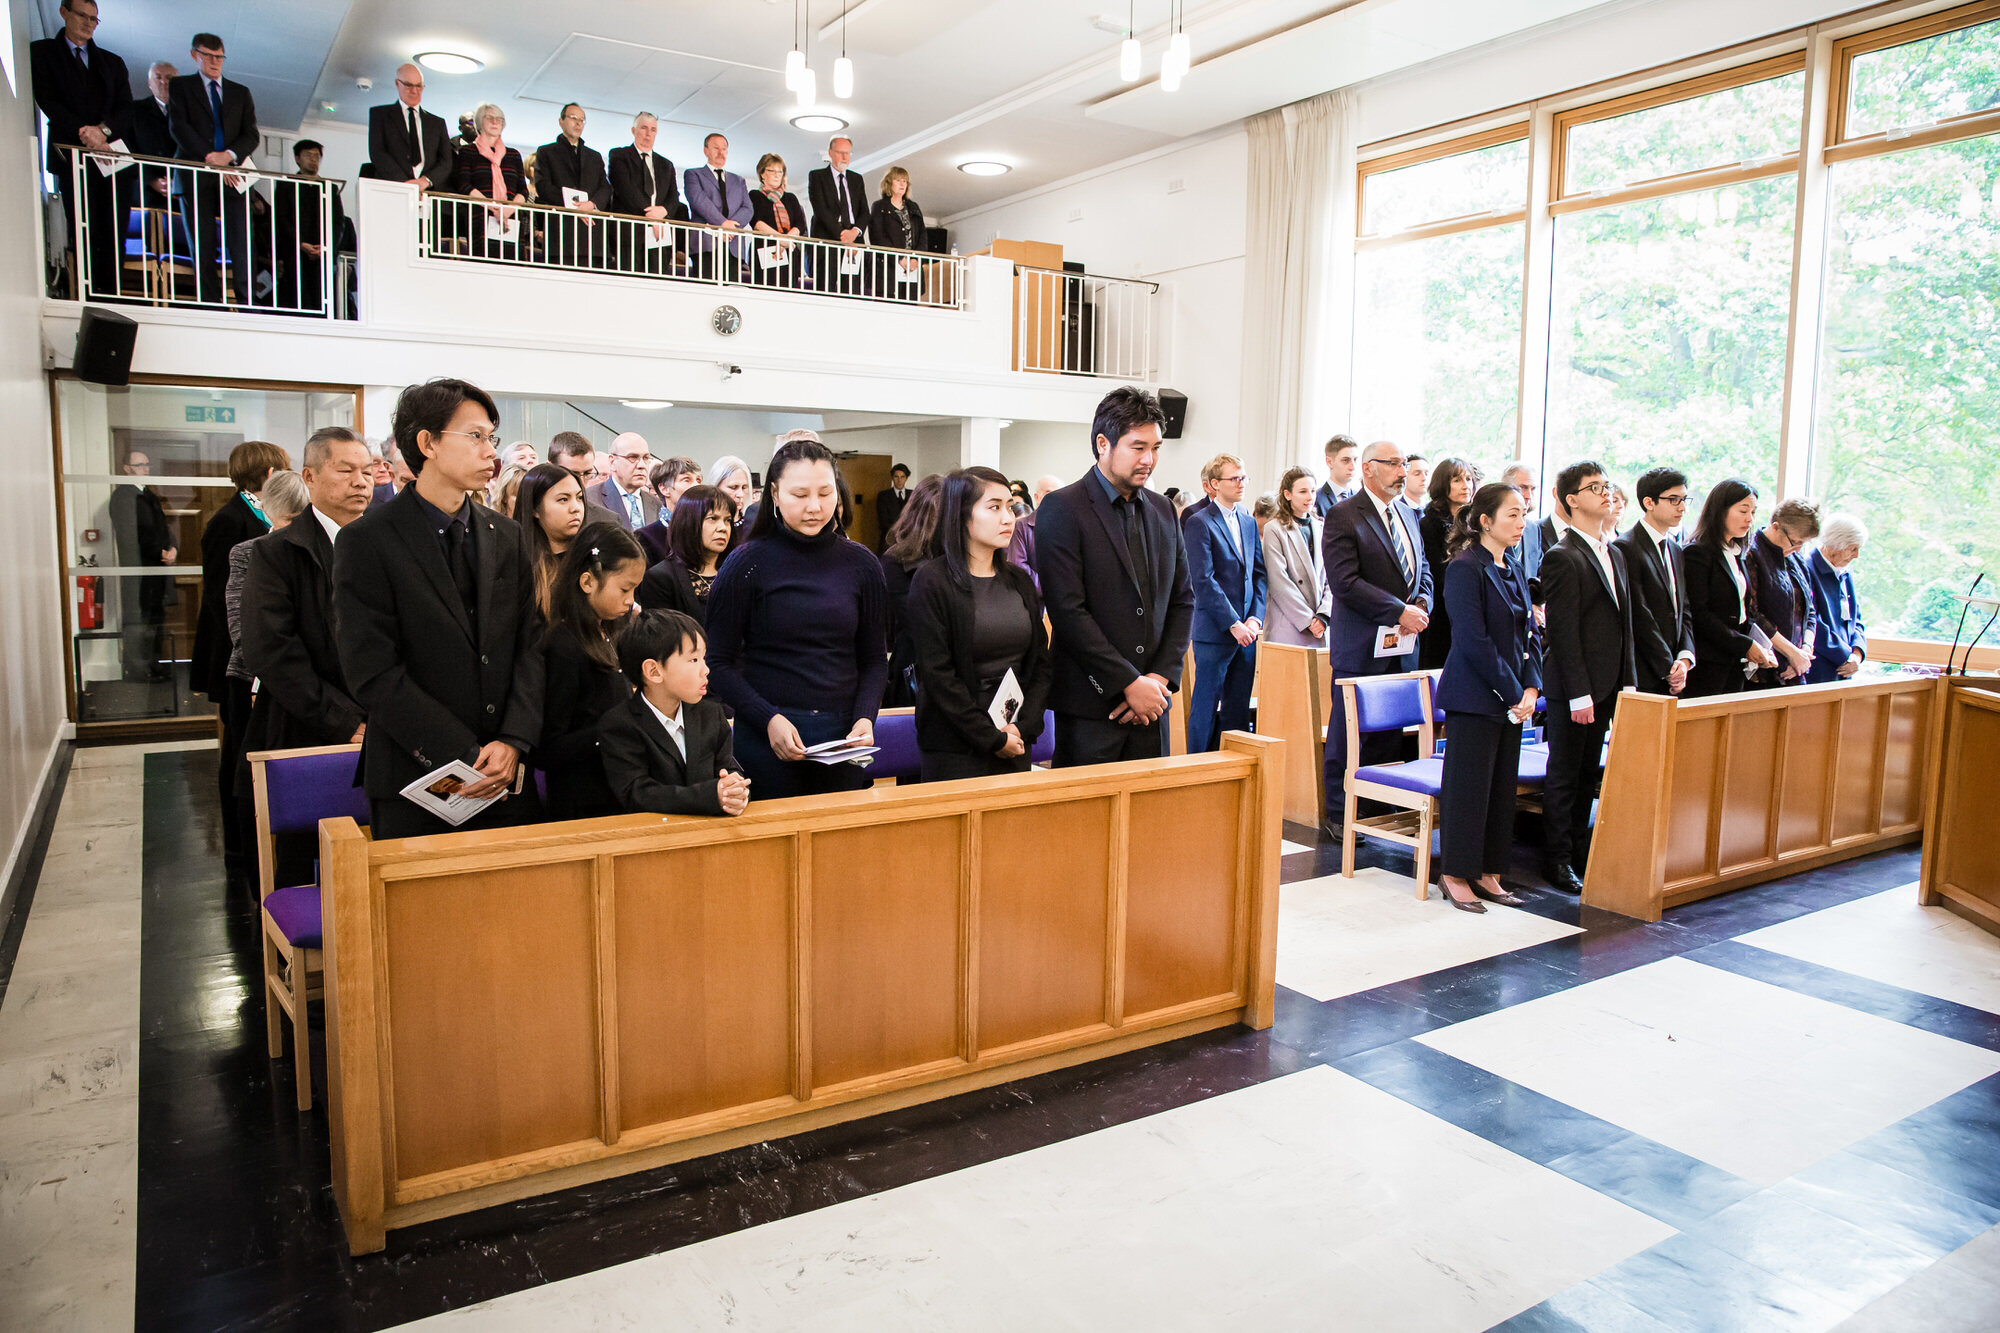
1376	572
1842	645
1226	567
716	198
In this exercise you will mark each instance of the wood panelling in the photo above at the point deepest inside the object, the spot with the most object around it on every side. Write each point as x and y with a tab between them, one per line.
1809	739
1695	749
1961	855
704	968
1181	900
1294	698
495	1023
1854	809
885	962
1747	779
1042	925
1903	768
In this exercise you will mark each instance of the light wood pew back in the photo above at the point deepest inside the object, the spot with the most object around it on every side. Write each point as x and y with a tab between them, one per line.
1961	863
518	1011
1707	795
1294	701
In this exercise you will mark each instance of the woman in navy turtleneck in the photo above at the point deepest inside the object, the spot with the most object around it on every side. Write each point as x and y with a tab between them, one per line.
797	631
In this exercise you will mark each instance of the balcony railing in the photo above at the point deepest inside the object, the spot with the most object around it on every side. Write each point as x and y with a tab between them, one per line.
542	237
1084	324
183	234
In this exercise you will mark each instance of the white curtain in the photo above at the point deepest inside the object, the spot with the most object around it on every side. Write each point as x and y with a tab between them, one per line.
1297	298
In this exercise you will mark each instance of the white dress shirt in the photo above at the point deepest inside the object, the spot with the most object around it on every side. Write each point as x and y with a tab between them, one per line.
676	726
1659	540
332	528
1603	554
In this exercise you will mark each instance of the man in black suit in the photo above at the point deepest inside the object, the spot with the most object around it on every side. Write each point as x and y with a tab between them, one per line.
1588	659
644	185
84	91
406	142
1662	618
1342	456
435	603
889	504
153	135
569	173
839	212
215	123
143	537
305	247
1115	579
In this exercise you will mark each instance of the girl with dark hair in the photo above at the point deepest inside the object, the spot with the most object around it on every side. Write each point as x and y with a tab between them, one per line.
1487	691
549	508
1718	592
796	631
974	616
590	597
700	536
1452	484
908	543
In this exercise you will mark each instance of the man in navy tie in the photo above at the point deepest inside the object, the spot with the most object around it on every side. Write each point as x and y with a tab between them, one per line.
84	91
215	124
1226	567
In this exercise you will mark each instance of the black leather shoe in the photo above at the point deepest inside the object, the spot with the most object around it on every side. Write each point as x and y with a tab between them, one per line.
1564	878
1504	897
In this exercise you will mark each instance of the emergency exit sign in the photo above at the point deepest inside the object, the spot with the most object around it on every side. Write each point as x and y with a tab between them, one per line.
225	415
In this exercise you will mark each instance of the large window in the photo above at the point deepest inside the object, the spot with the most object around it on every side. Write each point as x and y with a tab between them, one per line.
1747	122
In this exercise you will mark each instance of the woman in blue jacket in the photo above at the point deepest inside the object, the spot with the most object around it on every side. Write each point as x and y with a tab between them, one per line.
1487	692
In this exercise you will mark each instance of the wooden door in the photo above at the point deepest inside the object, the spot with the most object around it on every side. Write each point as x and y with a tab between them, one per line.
867	476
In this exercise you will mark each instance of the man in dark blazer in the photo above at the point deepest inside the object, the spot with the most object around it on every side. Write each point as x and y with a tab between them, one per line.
1378	579
839	207
717	197
565	169
215	123
1527	553
1226	570
1115	581
889	504
1662	617
1342	457
1588	659
626	493
643	184
406	142
435	602
85	92
153	135
143	537
306	250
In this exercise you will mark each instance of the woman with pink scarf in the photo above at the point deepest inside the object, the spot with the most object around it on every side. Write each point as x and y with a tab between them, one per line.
489	169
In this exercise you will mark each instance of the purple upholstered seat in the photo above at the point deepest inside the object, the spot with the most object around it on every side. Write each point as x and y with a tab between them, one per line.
301	790
1389	704
1044	750
295	912
896	734
1534	769
1425	776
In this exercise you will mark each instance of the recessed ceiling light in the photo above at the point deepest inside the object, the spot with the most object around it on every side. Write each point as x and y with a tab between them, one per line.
984	168
450	62
645	404
819	122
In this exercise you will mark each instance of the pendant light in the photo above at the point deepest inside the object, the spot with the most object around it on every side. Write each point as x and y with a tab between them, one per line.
808	87
1128	50
1175	63
843	68
795	61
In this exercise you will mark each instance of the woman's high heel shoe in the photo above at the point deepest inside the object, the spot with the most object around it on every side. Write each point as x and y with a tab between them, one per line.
1474	906
1504	898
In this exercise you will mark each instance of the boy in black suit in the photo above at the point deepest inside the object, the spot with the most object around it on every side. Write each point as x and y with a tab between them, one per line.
667	749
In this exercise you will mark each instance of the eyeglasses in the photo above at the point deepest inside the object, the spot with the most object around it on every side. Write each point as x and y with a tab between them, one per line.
582	477
405	83
1390	462
484	437
1598	488
1235	480
1677	501
635	458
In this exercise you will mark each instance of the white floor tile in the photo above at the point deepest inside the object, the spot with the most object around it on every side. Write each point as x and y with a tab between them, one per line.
1286	847
1960	1293
1891	938
1339	936
1312	1201
1750	1077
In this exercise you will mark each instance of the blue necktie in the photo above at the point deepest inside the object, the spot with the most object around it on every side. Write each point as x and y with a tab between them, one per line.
632	510
215	114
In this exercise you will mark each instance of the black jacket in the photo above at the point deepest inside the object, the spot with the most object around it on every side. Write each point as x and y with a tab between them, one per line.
828	218
763	210
896	578
234	522
289	642
557	165
951	711
1721	628
1434	647
1589	635
72	96
889	507
194	126
666	587
139	526
646	770
433	690
1662	623
1781	602
578	695
884	231
389	149
1109	628
628	184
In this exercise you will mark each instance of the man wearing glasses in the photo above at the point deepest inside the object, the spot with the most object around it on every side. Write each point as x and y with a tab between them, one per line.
406	142
1382	595
1226	568
626	492
1662	620
84	91
215	124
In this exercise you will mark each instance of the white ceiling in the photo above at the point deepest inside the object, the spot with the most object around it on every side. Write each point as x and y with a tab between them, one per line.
1033	83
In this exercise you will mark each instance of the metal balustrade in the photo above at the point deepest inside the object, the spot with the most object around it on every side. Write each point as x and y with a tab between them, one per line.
1084	324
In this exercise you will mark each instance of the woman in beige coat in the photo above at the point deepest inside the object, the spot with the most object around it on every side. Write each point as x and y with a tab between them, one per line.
1296	601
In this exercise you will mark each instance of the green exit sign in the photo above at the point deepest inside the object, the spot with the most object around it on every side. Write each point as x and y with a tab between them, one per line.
224	415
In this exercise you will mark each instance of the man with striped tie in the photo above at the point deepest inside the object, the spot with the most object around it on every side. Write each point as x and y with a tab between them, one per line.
1376	572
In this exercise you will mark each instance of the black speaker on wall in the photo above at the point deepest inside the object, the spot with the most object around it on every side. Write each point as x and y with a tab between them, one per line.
1175	406
104	347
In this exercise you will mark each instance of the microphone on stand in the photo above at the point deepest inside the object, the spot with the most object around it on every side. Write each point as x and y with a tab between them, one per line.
1966	610
1966	662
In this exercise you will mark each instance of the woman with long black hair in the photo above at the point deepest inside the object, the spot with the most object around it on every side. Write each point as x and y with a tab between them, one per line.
973	616
1718	593
1452	483
589	599
549	508
797	631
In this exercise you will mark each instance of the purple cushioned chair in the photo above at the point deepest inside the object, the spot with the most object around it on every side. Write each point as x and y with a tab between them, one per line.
896	733
294	790
1398	703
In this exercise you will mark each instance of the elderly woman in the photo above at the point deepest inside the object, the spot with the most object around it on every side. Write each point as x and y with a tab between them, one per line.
1842	645
731	476
775	211
1781	602
896	223
284	498
489	169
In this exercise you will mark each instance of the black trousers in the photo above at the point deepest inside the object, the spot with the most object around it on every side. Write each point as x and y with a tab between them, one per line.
1097	740
1575	757
1482	763
239	840
219	214
948	766
106	243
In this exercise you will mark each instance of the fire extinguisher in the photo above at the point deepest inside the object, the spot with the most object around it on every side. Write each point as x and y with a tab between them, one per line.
88	613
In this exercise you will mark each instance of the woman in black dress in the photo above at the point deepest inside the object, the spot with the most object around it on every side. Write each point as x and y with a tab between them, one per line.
896	223
488	169
589	601
775	212
700	536
1718	592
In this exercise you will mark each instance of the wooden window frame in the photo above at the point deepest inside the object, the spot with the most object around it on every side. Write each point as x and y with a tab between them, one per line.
1841	146
1512	132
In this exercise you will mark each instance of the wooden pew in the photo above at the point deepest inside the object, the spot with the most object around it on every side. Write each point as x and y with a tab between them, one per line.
1708	795
1294	700
1961	862
523	1010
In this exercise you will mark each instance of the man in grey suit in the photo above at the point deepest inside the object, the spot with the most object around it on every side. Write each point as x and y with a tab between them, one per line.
625	492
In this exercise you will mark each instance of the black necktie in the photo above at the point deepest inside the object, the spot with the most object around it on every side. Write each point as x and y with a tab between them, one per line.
721	190
652	181
416	140
460	561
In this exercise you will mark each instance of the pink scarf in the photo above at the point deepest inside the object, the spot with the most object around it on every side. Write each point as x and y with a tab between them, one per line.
494	152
